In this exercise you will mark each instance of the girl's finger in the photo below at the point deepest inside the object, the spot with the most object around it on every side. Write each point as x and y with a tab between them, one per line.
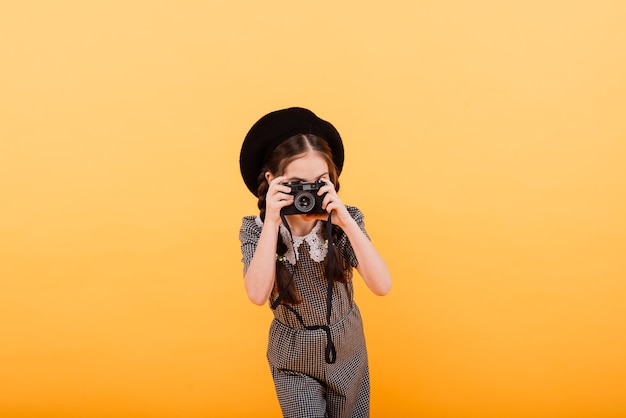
279	180
327	188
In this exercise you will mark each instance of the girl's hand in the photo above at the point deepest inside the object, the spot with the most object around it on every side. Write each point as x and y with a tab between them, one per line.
277	198
332	204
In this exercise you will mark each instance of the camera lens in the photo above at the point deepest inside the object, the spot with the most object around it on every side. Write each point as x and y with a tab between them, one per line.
304	202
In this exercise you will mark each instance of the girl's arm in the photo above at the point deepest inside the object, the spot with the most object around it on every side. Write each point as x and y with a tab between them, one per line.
259	278
371	266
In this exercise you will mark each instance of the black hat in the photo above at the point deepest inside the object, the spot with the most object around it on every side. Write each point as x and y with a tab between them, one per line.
275	127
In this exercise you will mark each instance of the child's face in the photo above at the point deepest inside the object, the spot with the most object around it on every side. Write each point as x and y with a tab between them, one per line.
308	168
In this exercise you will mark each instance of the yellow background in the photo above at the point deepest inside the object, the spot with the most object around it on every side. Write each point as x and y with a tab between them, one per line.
485	143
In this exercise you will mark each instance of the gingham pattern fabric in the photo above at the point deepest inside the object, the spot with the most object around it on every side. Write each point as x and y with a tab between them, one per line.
306	385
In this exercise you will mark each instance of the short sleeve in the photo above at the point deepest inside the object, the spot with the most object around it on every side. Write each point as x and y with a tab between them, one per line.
343	243
249	235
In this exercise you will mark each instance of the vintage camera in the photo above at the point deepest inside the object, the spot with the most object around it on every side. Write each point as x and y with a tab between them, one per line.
305	198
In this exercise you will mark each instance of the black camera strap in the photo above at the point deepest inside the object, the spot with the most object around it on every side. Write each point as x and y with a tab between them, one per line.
330	352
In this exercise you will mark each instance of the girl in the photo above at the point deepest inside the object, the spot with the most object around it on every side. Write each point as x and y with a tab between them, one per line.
302	264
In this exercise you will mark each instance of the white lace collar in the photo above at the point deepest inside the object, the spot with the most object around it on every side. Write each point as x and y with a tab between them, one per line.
318	247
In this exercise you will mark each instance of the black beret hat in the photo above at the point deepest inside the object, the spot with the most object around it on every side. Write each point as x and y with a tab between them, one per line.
275	127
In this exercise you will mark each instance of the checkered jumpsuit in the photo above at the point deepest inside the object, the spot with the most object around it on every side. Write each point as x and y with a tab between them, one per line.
307	384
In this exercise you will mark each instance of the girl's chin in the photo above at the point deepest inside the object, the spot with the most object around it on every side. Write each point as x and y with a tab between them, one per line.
307	217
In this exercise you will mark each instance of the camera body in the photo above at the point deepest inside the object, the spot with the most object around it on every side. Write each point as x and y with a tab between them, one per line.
305	198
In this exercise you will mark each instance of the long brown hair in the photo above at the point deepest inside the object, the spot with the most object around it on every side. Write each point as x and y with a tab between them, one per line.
289	150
